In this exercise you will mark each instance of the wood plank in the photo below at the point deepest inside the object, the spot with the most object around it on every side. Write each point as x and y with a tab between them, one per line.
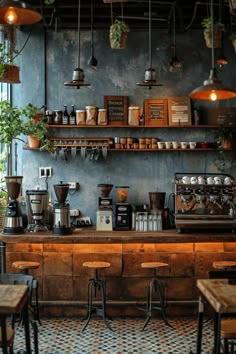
12	298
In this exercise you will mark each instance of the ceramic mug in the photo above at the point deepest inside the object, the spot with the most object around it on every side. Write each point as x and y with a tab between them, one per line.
184	145
192	144
175	144
201	180
217	180
210	180
227	181
160	144
193	180
186	180
168	144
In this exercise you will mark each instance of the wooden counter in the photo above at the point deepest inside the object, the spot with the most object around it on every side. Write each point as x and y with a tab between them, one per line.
89	236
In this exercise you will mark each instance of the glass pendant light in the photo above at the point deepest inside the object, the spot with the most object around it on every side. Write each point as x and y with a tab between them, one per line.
16	12
78	73
150	75
212	89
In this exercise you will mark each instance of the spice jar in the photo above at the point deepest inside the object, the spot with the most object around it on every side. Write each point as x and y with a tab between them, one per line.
102	116
134	115
91	115
80	116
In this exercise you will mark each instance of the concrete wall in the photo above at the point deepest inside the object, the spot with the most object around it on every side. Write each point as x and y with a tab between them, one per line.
117	74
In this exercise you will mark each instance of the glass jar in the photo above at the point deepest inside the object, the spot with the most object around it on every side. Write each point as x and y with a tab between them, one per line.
57	117
134	115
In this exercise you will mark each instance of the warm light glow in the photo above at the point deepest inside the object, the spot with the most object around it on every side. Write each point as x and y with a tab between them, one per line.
10	16
213	96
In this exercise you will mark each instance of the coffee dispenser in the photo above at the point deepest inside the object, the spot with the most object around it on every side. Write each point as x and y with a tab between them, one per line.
61	211
123	211
37	208
104	214
13	223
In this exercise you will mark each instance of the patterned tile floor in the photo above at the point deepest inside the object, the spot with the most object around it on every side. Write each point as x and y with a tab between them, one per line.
64	336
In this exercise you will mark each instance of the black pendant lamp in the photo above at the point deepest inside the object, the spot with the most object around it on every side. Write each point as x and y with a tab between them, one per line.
78	73
150	75
16	12
92	62
212	89
175	64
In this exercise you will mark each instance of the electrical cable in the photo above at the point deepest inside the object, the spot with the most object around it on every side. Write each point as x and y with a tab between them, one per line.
19	52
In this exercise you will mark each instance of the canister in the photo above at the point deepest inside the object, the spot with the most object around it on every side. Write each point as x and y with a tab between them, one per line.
80	116
102	116
134	115
91	115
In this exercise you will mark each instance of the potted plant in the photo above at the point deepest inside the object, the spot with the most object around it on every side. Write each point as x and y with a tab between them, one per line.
11	124
9	72
224	141
118	34
218	29
233	39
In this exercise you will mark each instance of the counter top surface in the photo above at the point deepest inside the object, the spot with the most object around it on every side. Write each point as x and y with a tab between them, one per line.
92	236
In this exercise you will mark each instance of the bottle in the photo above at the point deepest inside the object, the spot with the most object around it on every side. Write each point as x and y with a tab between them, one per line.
72	118
65	116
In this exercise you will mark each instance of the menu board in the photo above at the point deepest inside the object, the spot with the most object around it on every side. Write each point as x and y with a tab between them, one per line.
155	112
179	110
117	109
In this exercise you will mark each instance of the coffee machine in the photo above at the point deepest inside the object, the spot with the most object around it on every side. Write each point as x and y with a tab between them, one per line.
37	208
61	211
104	214
123	210
13	223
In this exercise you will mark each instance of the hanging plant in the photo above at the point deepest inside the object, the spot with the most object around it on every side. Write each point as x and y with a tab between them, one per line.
218	29
118	34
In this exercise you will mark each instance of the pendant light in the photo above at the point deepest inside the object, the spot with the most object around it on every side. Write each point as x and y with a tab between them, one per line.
150	74
78	73
212	89
175	64
222	59
16	12
92	62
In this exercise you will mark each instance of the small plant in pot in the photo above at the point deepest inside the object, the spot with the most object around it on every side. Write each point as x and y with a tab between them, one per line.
118	34
207	31
9	72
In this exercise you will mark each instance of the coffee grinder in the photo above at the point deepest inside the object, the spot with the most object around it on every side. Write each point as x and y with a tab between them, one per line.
37	208
61	211
123	212
104	214
13	217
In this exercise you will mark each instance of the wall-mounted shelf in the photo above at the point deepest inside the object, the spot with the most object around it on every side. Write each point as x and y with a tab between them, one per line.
132	126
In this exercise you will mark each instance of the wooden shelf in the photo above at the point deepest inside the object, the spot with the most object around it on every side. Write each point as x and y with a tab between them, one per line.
132	126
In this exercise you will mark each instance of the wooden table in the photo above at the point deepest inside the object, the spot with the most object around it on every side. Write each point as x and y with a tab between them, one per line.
222	297
14	299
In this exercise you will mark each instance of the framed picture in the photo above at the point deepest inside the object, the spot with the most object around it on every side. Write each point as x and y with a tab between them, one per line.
155	112
179	110
117	109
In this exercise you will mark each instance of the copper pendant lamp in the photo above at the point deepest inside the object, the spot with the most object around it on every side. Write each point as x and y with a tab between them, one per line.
212	89
150	75
16	12
78	73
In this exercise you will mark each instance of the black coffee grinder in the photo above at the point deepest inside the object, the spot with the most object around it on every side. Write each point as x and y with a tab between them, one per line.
61	211
13	217
123	210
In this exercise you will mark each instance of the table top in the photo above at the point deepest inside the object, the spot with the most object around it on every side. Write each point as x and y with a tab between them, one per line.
219	293
12	298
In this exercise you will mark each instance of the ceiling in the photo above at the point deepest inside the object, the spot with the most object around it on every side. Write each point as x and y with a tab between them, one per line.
189	13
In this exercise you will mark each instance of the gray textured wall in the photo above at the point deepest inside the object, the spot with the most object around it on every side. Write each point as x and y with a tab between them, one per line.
117	74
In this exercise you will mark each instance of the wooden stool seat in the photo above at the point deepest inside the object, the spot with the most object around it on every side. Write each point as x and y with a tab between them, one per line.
224	265
25	265
154	265
228	328
96	265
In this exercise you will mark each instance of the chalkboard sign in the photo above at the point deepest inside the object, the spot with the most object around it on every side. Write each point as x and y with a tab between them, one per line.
117	109
179	110
155	112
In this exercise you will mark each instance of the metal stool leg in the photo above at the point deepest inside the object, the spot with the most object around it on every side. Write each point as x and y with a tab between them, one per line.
104	315
90	300
149	305
158	289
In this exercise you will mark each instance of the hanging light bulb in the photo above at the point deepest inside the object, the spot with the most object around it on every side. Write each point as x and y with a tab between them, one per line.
212	89
16	12
175	64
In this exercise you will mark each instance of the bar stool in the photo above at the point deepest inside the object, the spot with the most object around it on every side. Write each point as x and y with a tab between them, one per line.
156	286
25	266
224	265
96	284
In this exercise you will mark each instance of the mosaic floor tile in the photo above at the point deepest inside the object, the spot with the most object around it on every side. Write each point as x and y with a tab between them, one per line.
64	336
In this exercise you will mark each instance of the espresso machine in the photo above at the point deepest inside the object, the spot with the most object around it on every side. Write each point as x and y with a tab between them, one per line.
61	211
104	214
123	210
13	223
37	208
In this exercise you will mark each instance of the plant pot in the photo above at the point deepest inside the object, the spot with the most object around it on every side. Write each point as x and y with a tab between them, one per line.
34	142
10	74
217	38
121	44
37	117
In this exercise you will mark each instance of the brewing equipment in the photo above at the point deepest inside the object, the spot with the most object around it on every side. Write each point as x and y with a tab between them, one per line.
61	211
37	208
104	214
205	201
123	210
13	223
